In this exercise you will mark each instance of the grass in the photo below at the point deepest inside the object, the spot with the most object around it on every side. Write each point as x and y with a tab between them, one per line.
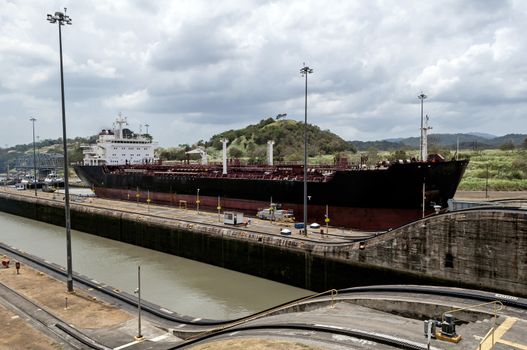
505	170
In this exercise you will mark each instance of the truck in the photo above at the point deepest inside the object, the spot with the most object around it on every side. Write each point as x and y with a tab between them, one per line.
274	214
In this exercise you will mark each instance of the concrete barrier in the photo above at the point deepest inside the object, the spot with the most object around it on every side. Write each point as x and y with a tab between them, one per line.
474	249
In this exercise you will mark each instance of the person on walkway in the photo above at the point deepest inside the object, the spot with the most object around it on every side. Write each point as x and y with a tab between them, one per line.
5	261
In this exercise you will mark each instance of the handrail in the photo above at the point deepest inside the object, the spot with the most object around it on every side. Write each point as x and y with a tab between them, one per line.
498	305
494	302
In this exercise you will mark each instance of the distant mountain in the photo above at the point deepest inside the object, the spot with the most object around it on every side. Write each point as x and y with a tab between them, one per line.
384	145
482	134
472	141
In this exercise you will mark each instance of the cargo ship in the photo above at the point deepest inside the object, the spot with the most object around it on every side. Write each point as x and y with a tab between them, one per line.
369	198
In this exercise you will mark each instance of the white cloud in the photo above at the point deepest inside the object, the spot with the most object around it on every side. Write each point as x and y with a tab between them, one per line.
130	101
190	65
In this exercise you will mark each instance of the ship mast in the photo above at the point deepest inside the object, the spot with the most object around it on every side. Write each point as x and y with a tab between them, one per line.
120	121
422	98
424	132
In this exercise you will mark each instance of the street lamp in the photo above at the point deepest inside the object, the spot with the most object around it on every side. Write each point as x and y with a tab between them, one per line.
304	72
62	19
421	148
33	120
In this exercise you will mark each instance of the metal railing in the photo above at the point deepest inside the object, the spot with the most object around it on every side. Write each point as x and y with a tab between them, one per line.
489	337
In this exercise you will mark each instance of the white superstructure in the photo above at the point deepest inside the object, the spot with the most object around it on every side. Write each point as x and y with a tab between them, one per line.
115	148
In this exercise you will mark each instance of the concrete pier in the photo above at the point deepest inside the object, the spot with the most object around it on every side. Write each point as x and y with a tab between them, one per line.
482	249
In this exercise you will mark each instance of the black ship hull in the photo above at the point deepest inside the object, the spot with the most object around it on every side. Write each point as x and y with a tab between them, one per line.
372	199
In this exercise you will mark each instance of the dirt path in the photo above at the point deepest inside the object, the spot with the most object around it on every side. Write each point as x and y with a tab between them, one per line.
15	330
83	311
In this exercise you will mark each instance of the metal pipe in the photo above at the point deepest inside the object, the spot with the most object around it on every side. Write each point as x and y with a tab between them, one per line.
224	155
270	144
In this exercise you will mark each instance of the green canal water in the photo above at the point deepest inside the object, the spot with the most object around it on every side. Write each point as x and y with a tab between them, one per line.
182	285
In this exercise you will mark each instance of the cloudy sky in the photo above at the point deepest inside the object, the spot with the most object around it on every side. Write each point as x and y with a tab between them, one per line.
193	68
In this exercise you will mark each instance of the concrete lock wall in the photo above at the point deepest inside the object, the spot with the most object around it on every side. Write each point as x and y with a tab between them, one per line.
484	250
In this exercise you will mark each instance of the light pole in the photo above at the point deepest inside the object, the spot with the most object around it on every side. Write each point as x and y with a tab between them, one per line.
62	19
304	72
422	98
33	120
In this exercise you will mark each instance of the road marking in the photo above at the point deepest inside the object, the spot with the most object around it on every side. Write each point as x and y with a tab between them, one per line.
513	344
500	332
127	345
161	337
503	328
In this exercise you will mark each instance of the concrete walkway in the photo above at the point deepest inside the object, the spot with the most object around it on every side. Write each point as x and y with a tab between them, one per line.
331	234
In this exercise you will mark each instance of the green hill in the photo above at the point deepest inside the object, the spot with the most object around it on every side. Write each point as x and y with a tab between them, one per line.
288	135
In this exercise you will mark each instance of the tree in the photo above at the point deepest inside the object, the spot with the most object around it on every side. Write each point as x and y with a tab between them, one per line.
235	152
372	155
399	154
507	146
524	144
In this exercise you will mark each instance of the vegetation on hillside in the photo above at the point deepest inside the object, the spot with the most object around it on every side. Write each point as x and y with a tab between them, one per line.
8	156
288	135
499	170
250	143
